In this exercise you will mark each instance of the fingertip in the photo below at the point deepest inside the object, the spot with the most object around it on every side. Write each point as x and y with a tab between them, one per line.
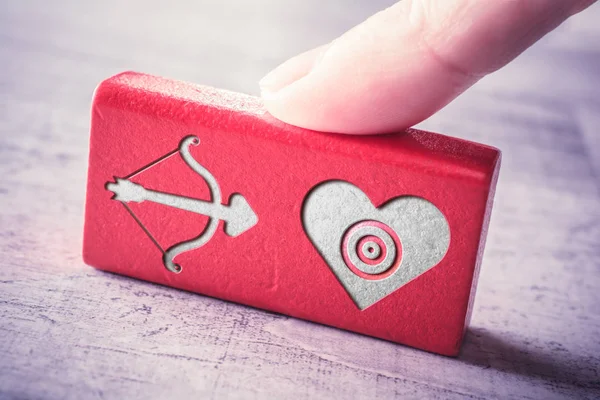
360	89
362	83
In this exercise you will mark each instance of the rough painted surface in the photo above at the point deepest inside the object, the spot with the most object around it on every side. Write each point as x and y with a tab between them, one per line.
69	331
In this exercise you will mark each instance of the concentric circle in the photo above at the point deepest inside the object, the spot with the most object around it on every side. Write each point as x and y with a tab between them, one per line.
371	249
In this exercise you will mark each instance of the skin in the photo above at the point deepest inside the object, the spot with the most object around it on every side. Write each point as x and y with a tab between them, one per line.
404	63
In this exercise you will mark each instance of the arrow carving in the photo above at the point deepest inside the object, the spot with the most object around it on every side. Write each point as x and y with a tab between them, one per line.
237	215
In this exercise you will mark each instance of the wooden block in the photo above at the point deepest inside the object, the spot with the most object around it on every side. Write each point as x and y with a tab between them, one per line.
201	189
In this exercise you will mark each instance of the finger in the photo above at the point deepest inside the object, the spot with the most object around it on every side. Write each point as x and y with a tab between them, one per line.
406	62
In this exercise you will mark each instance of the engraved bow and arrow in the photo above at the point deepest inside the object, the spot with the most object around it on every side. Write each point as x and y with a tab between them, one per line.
237	215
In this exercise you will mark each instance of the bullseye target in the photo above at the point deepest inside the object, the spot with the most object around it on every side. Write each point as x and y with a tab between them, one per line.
371	249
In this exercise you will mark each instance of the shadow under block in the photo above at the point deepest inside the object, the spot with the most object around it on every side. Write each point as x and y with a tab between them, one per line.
201	189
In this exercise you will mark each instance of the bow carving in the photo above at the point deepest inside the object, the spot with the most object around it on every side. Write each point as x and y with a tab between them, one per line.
237	215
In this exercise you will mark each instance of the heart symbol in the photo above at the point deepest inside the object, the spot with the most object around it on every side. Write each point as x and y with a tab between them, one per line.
373	251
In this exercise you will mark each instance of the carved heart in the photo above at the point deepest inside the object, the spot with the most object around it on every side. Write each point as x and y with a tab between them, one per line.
373	251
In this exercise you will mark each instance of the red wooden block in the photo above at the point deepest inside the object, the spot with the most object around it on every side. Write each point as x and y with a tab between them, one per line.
201	189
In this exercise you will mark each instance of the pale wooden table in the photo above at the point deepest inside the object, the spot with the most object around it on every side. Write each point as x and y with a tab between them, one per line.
69	331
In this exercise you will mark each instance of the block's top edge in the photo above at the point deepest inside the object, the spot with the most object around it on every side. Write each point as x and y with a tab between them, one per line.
185	91
212	108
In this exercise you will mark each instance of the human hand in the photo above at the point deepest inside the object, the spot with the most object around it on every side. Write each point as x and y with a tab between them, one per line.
405	63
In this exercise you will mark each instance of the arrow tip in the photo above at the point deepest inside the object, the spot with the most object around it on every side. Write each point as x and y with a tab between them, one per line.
242	216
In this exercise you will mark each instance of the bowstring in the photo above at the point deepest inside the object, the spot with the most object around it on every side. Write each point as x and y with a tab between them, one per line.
130	211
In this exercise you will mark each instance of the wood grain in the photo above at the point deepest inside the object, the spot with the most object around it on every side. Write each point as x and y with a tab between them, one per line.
68	331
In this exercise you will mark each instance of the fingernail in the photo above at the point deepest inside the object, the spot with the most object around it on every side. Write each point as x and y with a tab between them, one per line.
273	81
291	70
